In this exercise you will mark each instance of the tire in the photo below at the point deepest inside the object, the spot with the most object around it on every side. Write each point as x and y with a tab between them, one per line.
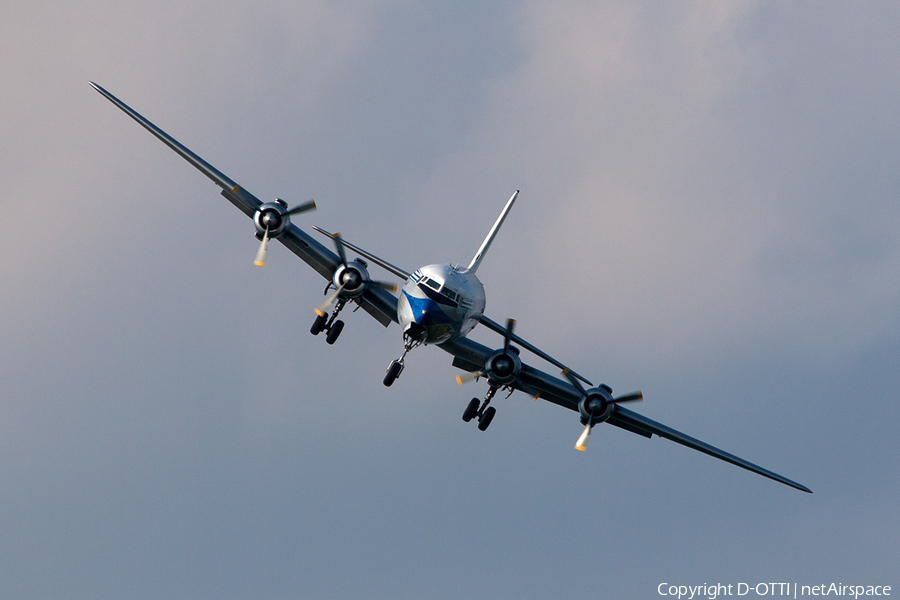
319	324
336	328
486	418
471	410
392	373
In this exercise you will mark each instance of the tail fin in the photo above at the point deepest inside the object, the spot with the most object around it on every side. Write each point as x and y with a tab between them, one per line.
473	266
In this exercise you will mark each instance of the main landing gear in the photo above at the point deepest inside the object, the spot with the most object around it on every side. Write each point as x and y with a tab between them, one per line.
480	409
332	325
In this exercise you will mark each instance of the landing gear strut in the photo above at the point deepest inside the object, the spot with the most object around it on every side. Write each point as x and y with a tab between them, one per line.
332	325
396	367
480	409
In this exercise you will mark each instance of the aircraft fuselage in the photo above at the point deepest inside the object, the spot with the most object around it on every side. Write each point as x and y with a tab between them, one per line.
439	303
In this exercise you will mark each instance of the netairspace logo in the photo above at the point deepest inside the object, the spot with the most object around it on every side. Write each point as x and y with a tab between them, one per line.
770	589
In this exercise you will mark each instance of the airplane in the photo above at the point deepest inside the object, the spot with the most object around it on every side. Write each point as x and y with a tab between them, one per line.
438	305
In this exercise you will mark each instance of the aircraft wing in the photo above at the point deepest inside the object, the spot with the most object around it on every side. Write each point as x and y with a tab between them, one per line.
630	420
379	303
471	356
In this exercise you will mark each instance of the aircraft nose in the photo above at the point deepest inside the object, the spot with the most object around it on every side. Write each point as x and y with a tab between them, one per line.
429	320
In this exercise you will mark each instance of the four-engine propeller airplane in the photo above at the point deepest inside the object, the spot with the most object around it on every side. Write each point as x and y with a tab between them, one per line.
439	305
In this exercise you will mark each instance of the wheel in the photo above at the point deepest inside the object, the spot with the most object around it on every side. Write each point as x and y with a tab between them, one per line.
486	418
319	324
333	333
393	372
471	409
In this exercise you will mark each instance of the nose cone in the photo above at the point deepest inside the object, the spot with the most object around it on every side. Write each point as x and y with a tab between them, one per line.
424	317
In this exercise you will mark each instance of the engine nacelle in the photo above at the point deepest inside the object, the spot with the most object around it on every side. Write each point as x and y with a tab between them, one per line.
272	217
502	368
353	277
596	405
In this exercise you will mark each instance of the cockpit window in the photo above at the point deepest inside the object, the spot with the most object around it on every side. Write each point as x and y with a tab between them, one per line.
444	291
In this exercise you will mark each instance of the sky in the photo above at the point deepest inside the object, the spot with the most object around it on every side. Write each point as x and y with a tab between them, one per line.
708	213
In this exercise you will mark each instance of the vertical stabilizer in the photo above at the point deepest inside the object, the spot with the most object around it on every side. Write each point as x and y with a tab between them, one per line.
473	266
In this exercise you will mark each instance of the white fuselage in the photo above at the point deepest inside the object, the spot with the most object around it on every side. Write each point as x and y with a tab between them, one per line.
439	303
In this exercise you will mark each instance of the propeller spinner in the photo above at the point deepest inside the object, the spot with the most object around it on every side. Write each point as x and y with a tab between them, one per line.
502	367
271	220
349	279
595	406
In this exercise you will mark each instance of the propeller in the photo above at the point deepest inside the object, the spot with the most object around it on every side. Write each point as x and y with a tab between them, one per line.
498	363
507	337
323	309
274	218
594	402
468	376
311	205
350	278
263	251
581	444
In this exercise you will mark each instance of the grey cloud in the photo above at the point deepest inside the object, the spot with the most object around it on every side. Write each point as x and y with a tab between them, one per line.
707	214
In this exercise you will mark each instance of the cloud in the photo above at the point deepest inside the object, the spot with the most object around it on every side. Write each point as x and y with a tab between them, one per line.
707	213
686	163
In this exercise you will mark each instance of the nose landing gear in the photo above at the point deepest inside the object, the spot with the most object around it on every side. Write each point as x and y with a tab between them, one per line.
396	367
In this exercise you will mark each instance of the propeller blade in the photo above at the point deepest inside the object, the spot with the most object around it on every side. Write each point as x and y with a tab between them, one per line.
507	338
339	244
581	444
468	376
323	309
632	397
383	284
263	251
574	381
311	205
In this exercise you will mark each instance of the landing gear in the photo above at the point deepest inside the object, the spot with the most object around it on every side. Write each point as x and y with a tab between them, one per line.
393	372
396	366
480	409
332	324
318	325
486	418
471	409
334	331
